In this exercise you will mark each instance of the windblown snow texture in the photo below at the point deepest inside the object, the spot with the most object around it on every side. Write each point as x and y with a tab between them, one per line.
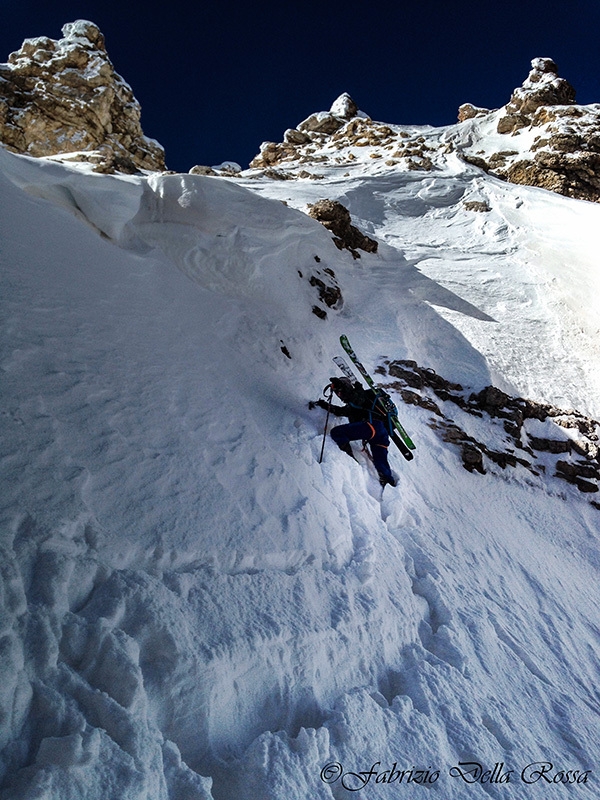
193	607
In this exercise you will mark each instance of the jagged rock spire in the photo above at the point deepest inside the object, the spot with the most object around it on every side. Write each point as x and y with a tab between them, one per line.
542	87
564	151
64	96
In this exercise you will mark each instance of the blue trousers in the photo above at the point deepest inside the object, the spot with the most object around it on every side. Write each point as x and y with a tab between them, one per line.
375	433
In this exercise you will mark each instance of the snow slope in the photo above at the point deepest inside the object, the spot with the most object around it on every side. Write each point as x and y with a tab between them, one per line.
193	606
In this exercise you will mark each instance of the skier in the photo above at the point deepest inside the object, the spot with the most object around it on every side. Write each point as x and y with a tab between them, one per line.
367	422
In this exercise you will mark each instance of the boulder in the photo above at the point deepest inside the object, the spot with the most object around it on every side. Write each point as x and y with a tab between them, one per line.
294	136
344	107
469	111
322	122
336	218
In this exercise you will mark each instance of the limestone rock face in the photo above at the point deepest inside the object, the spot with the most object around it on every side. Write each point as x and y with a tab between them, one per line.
565	156
543	87
65	97
563	150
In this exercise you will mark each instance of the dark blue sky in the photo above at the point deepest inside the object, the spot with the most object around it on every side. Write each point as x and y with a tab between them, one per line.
215	79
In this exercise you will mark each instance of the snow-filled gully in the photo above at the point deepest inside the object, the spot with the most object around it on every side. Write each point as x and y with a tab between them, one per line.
193	606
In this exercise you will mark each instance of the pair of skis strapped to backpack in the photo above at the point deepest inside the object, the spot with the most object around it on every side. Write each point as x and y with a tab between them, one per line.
397	433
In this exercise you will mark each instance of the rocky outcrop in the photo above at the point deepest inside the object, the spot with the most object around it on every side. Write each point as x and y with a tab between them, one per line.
345	136
565	154
542	87
469	111
324	282
336	218
328	290
297	142
565	157
328	122
65	97
525	434
551	142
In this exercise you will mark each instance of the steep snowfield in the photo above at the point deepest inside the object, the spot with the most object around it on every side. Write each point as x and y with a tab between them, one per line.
193	606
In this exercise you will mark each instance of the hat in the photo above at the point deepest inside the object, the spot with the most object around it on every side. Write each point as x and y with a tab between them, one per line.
341	385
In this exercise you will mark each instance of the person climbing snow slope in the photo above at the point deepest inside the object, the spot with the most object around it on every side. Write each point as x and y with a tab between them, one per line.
366	422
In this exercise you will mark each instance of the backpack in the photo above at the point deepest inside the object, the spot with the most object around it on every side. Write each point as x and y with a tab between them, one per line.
377	402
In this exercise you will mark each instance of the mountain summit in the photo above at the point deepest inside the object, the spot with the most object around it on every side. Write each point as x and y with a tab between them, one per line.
541	137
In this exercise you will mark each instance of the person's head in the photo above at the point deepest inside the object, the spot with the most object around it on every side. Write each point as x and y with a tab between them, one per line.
342	387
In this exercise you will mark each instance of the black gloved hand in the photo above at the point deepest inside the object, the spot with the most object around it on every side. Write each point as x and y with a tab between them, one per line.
321	403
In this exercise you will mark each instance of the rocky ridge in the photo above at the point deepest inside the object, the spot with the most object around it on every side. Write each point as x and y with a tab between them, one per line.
64	97
540	138
492	429
562	139
344	136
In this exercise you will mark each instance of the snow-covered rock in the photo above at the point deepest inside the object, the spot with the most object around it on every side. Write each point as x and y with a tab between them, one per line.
344	107
550	141
540	138
542	87
65	97
328	122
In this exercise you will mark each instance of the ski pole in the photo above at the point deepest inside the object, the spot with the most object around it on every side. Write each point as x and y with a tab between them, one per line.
326	423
